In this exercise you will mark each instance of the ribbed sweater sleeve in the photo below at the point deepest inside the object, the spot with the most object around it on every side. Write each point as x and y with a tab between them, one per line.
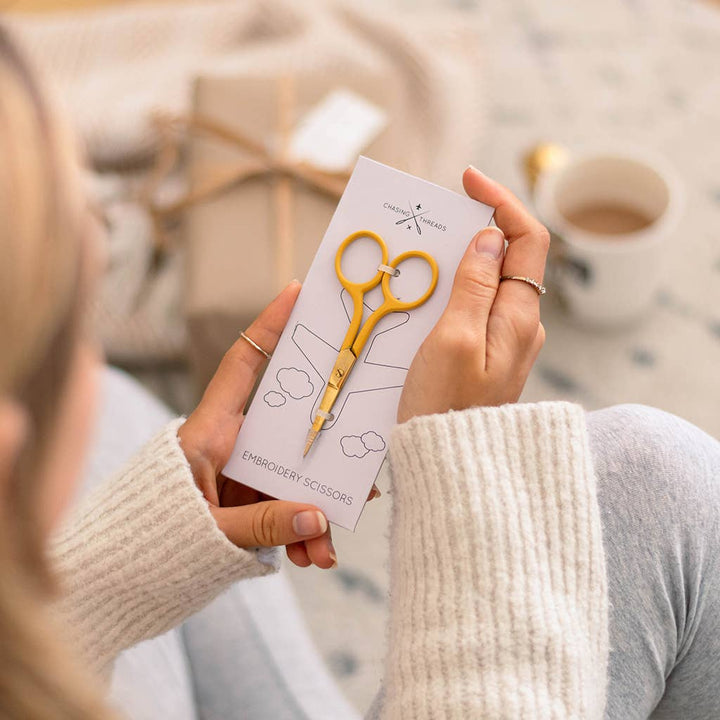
498	594
143	552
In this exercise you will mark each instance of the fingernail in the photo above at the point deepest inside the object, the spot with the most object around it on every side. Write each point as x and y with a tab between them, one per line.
333	556
474	169
490	241
376	492
309	522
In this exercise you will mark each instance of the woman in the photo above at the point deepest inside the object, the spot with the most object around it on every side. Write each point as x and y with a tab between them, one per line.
499	592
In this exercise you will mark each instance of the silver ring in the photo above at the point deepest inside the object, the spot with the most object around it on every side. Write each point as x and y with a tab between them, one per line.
255	345
540	289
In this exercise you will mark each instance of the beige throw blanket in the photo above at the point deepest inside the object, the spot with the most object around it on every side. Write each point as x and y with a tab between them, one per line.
114	67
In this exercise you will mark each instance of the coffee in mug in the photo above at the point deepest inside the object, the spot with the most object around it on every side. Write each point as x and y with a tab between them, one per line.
608	219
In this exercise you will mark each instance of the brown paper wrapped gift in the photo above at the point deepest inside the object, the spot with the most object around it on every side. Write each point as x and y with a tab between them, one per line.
250	238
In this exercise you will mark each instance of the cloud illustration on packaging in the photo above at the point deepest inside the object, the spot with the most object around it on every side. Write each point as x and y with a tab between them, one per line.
360	445
352	446
372	441
274	399
296	383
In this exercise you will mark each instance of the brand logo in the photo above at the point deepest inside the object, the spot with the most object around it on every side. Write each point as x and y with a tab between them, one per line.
415	217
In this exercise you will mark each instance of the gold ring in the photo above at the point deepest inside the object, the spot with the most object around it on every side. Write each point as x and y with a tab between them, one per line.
255	345
539	289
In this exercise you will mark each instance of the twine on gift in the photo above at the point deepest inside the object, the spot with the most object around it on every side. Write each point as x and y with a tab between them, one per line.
260	160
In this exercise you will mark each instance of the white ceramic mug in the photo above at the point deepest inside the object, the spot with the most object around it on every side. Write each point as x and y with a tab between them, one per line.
609	279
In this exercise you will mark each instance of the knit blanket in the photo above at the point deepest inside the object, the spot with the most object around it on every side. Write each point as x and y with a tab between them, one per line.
115	67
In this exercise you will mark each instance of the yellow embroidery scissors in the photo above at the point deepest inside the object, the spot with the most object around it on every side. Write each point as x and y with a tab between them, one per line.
357	336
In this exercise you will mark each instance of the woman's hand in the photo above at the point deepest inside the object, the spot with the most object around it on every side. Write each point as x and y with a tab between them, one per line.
482	349
247	517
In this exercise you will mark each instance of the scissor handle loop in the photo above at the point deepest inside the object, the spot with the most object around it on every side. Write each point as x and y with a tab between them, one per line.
395	305
355	288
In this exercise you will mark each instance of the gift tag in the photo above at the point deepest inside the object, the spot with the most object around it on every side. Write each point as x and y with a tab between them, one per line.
336	130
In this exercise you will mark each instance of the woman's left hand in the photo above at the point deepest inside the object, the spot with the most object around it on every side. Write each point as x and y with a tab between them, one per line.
247	517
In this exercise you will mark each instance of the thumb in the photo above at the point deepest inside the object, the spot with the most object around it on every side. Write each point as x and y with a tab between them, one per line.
269	523
477	278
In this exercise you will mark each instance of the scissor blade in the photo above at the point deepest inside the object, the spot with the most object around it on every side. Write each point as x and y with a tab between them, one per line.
312	434
343	365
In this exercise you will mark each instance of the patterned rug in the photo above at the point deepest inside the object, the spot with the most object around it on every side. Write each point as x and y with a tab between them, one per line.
638	71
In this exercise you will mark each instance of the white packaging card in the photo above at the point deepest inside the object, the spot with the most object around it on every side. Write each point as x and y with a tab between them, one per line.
340	468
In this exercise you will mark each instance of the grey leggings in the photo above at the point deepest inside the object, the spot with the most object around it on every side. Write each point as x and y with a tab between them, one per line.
659	495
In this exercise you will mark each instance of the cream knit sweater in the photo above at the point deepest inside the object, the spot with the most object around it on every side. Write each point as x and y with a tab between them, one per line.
498	604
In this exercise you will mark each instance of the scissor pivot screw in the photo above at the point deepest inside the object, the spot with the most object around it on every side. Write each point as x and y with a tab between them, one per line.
340	372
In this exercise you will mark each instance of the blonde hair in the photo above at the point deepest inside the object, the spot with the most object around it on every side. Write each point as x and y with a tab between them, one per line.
40	311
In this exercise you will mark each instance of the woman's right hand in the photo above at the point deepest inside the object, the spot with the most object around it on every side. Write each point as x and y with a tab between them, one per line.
481	350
